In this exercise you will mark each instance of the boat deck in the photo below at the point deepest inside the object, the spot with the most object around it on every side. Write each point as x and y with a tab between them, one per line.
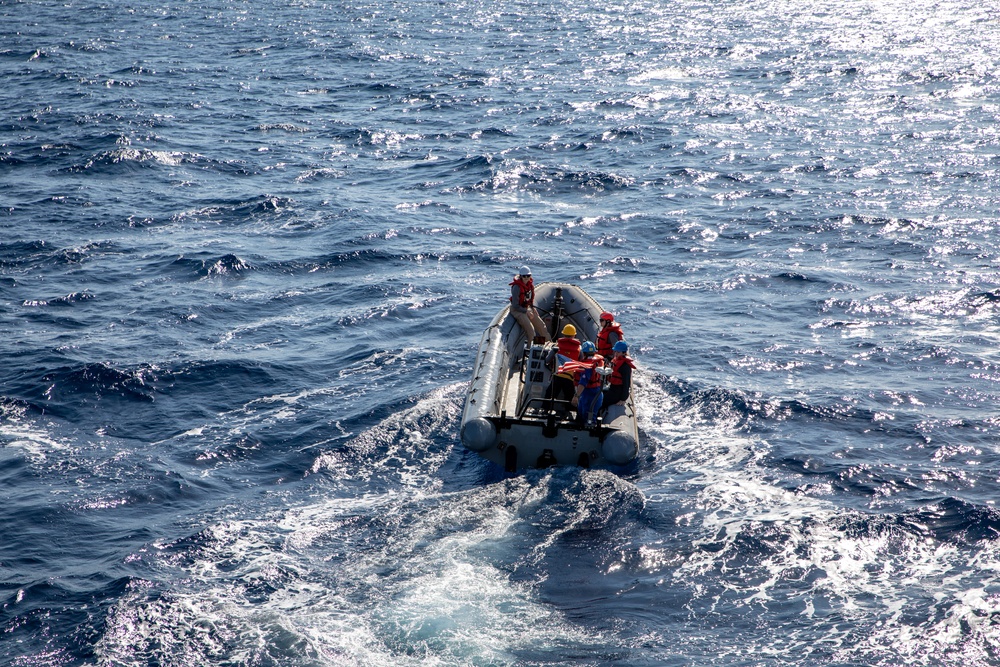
527	384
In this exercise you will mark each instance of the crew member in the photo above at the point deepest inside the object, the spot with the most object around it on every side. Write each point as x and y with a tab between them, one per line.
588	385
610	333
522	306
620	383
567	350
568	345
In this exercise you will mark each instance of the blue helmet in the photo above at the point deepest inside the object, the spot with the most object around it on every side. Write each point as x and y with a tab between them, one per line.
620	346
588	347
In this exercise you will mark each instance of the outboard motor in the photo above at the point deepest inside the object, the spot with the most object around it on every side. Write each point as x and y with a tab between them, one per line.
546	460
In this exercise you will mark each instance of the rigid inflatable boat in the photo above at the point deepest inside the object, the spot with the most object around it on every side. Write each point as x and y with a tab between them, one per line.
508	416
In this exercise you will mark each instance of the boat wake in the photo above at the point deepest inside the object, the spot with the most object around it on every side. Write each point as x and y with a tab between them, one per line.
740	538
398	554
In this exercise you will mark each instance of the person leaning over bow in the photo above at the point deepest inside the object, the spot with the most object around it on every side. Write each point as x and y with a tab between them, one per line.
621	376
522	306
609	334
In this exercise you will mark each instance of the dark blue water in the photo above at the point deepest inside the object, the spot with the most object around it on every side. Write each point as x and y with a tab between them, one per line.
247	251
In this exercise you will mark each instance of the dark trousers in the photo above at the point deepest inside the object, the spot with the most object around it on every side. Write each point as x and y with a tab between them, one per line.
561	388
614	394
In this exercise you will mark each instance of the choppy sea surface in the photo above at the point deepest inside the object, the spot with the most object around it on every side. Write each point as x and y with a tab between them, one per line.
247	251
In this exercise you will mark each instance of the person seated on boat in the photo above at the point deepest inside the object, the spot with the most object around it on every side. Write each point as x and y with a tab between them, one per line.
588	385
620	383
522	307
567	349
609	334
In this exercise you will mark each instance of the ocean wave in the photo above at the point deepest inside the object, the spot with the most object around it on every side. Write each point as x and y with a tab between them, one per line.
368	252
941	310
512	175
20	256
20	430
226	266
35	154
66	300
959	522
261	207
67	605
201	376
318	174
386	138
15	254
403	447
59	389
100	380
282	127
736	407
130	159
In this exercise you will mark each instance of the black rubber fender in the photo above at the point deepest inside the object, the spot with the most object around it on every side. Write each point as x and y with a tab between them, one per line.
510	459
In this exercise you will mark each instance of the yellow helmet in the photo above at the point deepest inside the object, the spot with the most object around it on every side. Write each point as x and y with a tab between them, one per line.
569	330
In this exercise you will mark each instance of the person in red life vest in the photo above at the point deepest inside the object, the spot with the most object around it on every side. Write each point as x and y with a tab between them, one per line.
568	345
567	349
620	384
588	385
610	333
522	306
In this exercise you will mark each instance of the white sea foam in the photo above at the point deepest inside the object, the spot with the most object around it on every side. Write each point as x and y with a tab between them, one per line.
410	576
843	569
20	432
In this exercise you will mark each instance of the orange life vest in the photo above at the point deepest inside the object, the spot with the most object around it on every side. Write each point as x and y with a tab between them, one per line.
527	289
595	379
616	368
603	344
569	347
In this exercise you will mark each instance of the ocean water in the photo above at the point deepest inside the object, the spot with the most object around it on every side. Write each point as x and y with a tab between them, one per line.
247	251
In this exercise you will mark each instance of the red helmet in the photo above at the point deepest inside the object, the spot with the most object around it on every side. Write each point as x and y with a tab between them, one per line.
607	316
